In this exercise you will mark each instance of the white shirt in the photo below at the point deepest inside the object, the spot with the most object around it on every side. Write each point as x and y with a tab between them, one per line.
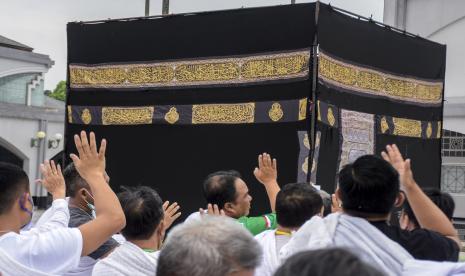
127	260
54	252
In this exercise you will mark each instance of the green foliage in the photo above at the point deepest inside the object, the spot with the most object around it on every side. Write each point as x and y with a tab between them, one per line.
60	91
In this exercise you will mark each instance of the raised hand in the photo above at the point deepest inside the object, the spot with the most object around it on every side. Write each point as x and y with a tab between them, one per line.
266	172
53	180
171	213
90	162
212	210
394	157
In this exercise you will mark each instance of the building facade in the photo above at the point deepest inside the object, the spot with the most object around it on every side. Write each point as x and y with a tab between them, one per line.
31	124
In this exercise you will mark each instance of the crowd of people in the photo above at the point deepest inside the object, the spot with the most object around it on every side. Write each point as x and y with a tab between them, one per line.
89	230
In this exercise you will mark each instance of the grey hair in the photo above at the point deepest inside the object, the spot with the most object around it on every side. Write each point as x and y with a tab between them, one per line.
214	246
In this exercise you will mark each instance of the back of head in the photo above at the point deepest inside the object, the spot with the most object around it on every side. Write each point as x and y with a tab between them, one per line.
143	209
13	183
214	246
219	187
73	180
296	203
369	186
324	262
443	200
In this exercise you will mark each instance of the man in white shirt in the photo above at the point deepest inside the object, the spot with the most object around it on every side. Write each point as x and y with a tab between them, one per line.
147	218
295	204
55	250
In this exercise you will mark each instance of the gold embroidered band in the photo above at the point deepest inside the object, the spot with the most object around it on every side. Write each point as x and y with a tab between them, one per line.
408	127
385	124
377	83
209	71
237	113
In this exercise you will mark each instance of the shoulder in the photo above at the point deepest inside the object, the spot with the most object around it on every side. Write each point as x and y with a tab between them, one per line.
78	217
429	245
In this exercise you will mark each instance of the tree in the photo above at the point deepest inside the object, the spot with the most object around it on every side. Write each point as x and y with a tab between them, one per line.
60	91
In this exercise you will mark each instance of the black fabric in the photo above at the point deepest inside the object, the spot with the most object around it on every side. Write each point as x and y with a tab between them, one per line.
175	159
77	218
422	244
327	158
372	46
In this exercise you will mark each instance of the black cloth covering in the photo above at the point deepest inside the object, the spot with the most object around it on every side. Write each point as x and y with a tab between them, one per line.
376	47
175	159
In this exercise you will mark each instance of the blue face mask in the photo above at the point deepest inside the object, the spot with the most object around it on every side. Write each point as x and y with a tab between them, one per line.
28	225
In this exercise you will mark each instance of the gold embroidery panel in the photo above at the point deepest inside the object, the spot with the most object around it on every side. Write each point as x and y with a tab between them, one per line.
407	127
378	83
127	115
223	113
86	117
70	115
276	112
208	71
302	109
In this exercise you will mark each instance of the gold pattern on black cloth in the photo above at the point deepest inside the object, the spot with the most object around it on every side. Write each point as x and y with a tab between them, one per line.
378	83
331	119
429	130
172	116
261	67
86	117
70	115
302	109
127	115
223	113
276	112
384	125
438	135
407	127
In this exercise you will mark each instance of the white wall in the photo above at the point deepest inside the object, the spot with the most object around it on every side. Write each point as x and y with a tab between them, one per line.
11	67
18	133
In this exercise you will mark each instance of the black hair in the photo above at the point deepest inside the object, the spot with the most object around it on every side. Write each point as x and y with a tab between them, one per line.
73	180
296	203
219	187
143	209
369	186
443	200
13	182
334	261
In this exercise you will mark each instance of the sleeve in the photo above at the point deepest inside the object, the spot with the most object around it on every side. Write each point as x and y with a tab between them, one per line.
256	225
429	245
56	251
104	249
57	216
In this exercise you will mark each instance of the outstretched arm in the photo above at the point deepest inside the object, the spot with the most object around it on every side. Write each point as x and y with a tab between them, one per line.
429	216
110	217
267	174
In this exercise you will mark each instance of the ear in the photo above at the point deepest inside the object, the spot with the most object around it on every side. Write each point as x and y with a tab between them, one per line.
399	200
229	208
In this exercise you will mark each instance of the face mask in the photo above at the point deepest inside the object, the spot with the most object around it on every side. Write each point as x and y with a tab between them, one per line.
28	225
90	205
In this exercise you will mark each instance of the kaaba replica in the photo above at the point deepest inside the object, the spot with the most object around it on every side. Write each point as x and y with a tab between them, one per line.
181	96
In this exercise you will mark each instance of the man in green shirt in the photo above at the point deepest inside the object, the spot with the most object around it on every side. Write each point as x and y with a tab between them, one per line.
230	193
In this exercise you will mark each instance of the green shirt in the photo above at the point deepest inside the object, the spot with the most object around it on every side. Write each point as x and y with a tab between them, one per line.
256	225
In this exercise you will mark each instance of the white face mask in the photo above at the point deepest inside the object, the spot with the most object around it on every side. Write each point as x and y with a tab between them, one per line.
91	206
